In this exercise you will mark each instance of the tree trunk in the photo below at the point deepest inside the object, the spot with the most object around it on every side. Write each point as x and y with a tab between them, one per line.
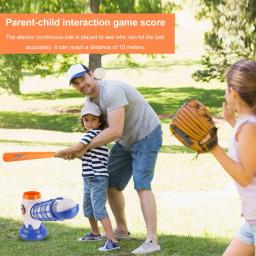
94	59
95	6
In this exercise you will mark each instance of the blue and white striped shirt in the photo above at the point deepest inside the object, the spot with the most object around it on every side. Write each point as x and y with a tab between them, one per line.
95	160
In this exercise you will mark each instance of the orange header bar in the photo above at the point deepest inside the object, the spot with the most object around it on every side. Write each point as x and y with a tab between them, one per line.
86	33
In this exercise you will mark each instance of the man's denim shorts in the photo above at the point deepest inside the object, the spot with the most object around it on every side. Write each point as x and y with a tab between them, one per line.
138	161
247	233
95	197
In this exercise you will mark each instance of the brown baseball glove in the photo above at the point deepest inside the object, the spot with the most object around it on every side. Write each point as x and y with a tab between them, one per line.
193	126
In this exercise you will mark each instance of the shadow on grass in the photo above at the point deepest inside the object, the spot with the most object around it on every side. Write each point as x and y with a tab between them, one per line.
163	100
151	64
55	95
62	240
168	100
22	120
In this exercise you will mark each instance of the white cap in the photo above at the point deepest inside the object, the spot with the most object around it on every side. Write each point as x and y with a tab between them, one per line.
90	108
77	70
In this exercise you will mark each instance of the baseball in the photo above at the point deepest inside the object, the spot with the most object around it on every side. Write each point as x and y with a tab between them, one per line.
99	73
64	204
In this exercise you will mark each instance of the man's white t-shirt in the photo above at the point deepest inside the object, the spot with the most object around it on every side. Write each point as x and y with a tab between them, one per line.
140	118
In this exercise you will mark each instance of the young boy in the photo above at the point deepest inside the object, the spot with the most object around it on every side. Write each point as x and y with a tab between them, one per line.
95	174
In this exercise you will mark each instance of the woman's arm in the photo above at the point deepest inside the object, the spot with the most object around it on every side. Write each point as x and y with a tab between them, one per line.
244	171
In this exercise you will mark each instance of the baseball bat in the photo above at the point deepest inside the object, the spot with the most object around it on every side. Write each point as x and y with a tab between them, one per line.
19	156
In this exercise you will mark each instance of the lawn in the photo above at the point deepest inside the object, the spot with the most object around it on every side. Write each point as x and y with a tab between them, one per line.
165	101
63	241
181	189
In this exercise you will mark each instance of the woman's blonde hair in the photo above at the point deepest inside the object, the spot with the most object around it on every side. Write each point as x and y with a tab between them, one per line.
241	77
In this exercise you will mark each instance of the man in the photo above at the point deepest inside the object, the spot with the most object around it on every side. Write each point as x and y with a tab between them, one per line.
137	131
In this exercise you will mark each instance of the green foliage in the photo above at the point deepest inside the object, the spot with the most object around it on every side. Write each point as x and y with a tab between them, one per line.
10	73
13	67
233	35
137	6
149	6
43	6
117	6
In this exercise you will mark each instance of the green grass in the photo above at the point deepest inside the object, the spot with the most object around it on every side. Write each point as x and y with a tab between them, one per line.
168	100
55	95
21	120
160	63
165	101
34	143
62	240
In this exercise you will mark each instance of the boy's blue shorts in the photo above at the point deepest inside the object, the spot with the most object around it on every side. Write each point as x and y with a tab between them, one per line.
95	197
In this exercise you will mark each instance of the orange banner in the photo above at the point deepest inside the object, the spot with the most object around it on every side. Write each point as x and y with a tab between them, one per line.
86	33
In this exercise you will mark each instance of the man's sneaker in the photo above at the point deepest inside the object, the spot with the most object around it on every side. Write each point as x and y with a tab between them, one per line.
90	237
120	236
109	246
147	247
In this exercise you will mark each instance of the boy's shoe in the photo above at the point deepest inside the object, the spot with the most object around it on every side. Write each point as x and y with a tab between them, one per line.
120	236
109	246
90	237
147	247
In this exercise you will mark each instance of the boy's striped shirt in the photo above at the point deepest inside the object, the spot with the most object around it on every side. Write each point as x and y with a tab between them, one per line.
94	161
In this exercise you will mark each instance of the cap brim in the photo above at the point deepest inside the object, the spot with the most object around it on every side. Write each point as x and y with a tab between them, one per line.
90	113
77	75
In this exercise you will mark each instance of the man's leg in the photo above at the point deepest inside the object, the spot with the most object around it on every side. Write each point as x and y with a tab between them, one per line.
148	207
144	154
117	204
120	172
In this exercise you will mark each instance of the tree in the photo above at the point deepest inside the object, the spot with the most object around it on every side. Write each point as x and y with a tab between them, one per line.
127	6
13	67
233	35
137	6
95	59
